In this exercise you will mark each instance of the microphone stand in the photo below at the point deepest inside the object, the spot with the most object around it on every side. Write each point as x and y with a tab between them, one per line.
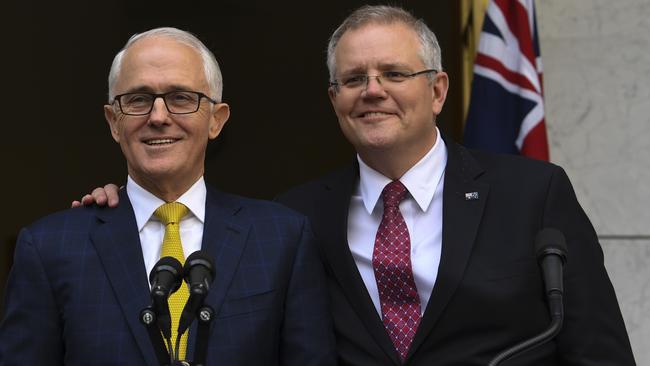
557	316
199	273
551	251
205	315
148	319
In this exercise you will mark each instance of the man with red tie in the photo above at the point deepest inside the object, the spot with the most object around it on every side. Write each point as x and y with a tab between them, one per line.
429	246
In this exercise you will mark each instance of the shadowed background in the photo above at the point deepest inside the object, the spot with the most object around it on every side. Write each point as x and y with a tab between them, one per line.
282	130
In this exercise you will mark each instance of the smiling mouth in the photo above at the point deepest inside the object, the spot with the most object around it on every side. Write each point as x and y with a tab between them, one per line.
374	114
160	142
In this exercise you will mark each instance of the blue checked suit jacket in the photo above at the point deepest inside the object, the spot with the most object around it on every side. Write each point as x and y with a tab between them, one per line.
79	282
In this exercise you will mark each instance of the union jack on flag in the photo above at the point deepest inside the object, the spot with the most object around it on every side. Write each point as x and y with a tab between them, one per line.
506	112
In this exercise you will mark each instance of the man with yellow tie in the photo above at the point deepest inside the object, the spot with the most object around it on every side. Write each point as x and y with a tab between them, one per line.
80	276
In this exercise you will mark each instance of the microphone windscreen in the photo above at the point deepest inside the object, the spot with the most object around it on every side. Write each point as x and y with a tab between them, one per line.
550	241
169	264
199	258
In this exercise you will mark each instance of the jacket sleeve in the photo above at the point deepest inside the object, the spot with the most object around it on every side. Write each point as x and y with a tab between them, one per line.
307	335
31	331
593	331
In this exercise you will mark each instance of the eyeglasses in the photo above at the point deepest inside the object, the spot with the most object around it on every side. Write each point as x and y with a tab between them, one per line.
176	102
385	78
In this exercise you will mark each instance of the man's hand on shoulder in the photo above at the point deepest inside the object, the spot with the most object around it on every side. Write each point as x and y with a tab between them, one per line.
102	196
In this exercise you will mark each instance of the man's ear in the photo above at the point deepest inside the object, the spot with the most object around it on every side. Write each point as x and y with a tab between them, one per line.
331	91
220	115
111	118
440	87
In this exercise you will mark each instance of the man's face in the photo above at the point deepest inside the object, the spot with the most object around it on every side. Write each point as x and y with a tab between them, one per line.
161	147
382	116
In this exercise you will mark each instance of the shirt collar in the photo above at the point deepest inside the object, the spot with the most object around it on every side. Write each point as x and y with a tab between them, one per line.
145	203
421	179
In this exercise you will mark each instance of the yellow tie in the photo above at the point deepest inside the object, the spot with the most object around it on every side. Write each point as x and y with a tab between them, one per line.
171	214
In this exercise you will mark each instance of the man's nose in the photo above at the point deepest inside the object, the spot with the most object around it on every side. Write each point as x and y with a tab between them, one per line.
374	87
159	112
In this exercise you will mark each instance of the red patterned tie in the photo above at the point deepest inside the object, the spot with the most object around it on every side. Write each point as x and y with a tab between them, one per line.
391	261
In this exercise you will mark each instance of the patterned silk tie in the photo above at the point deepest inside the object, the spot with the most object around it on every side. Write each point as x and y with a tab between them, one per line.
391	261
171	214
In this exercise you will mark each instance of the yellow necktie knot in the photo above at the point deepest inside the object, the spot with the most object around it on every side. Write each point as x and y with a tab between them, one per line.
171	213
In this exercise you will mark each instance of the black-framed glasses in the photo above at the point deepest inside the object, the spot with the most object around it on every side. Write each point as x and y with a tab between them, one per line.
176	102
385	78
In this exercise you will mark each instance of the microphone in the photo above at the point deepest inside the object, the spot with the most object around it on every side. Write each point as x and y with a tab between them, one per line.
165	279
551	252
199	274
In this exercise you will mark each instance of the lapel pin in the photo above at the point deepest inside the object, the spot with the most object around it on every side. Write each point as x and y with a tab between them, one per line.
471	196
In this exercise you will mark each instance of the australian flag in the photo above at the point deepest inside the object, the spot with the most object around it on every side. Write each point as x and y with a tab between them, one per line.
506	112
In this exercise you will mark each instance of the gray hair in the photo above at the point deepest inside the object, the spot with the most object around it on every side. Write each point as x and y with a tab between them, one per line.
429	52
210	64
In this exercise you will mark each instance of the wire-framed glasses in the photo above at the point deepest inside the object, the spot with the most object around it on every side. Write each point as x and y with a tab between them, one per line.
386	78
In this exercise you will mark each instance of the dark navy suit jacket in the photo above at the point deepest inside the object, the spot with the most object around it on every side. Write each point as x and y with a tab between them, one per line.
79	282
489	292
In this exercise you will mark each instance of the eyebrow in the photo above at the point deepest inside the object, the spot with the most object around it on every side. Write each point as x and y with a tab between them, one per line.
382	67
148	89
393	66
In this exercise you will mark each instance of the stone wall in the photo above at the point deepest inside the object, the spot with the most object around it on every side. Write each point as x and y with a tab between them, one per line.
596	56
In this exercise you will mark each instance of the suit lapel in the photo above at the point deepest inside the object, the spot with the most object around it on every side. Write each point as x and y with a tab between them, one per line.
117	242
224	239
335	202
463	202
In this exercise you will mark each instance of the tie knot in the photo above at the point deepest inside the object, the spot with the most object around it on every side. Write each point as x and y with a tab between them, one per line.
393	193
171	212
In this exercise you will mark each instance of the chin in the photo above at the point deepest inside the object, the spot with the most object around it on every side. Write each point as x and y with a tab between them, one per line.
377	142
162	171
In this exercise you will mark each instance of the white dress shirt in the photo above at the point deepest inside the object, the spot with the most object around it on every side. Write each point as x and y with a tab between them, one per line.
152	230
422	211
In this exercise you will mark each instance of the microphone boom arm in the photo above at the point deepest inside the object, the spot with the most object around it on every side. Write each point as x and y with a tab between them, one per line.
548	334
551	251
